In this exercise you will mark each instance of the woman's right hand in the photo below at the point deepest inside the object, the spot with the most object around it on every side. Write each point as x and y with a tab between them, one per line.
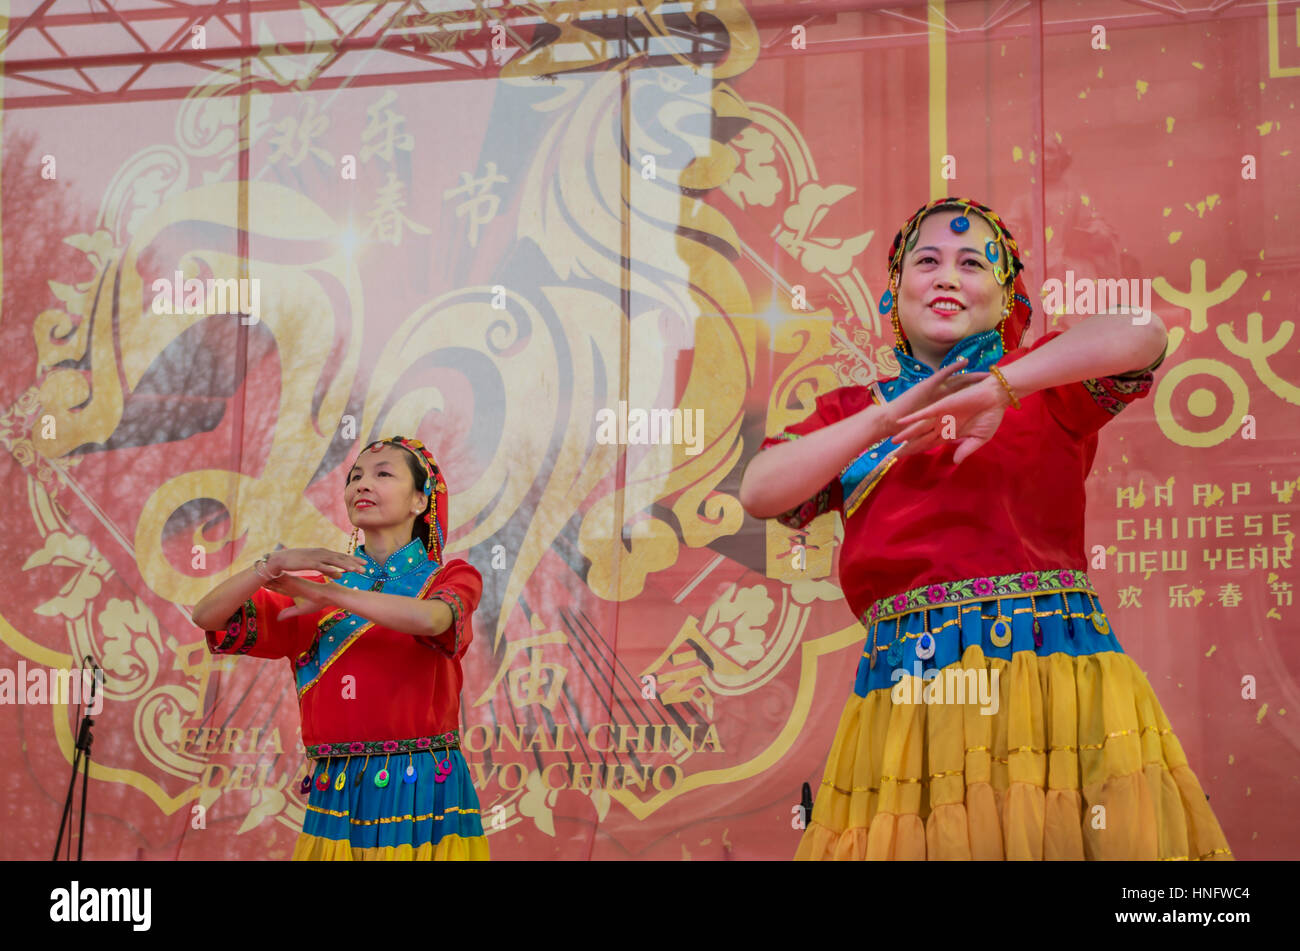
329	563
935	387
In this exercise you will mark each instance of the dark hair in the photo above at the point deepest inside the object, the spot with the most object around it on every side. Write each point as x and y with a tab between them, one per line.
420	528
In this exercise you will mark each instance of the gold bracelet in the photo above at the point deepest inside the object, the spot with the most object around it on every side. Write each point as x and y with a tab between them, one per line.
1015	403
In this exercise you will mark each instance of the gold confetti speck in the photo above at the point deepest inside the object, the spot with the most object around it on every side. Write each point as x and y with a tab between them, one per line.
1142	86
1168	211
1174	236
1213	648
1017	153
1085	199
1263	709
1169	123
1049	232
1265	127
1267	295
1231	759
1198	65
1247	790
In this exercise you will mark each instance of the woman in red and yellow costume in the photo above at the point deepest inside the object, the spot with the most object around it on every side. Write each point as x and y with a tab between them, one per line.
994	714
376	657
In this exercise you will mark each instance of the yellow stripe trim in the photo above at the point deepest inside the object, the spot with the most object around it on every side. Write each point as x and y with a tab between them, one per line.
436	816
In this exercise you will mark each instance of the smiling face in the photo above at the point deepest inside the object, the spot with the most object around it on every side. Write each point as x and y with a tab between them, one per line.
947	290
381	490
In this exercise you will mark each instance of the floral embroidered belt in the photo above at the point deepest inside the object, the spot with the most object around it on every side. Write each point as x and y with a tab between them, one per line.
934	596
420	744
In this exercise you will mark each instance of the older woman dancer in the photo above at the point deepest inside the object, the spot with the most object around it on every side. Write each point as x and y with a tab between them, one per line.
995	715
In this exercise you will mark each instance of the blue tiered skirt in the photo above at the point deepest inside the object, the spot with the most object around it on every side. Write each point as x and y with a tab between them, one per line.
421	819
999	718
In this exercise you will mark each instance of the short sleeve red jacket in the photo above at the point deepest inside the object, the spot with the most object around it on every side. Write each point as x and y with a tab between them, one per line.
358	681
1017	504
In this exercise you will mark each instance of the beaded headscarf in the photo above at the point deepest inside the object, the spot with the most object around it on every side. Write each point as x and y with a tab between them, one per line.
435	516
1001	251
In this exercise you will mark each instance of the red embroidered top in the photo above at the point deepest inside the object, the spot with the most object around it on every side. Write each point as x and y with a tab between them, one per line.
402	687
1015	505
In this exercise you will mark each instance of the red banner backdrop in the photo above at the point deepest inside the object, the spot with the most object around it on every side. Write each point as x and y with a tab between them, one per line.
493	228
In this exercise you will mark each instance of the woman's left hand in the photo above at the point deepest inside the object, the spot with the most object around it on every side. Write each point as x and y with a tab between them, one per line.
308	596
976	414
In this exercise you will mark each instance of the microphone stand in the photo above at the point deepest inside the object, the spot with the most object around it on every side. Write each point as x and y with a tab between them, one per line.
82	755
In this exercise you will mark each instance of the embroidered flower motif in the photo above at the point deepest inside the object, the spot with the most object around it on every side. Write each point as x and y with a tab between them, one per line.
1067	577
936	593
356	747
805	512
323	748
422	742
1107	402
390	746
900	602
982	586
1029	581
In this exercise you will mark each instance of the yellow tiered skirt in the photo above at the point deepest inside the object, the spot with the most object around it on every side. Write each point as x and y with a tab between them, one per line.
1078	762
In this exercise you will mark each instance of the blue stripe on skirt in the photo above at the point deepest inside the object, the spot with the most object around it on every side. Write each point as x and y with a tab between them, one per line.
972	623
400	813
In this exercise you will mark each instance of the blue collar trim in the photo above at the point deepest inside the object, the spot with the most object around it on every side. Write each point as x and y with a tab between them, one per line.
410	557
406	572
981	350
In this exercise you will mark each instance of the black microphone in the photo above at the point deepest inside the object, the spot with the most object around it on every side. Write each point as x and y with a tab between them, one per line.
94	681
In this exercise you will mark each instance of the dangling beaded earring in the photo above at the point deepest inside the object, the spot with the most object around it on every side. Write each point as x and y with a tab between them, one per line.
432	518
890	306
429	515
352	543
1007	300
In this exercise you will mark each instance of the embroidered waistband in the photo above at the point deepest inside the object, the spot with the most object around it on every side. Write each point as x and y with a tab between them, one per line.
420	744
934	596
